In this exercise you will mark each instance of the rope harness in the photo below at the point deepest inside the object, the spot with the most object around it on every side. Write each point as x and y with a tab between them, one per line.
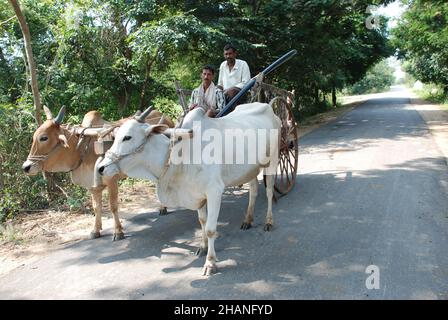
115	158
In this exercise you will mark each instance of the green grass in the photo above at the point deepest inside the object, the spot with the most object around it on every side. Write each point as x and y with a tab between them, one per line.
434	94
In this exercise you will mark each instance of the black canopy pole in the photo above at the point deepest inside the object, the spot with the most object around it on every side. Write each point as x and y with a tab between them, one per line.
229	106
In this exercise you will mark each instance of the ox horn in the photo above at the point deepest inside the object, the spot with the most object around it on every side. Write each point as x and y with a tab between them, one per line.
48	113
60	117
141	118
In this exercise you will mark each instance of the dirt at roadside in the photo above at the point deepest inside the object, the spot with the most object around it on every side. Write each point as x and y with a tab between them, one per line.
30	236
436	117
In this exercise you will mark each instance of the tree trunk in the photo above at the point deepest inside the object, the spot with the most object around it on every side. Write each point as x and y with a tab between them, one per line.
149	64
122	34
316	94
123	98
333	96
30	59
1	173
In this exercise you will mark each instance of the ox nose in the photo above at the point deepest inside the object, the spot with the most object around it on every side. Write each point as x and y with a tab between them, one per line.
101	170
26	168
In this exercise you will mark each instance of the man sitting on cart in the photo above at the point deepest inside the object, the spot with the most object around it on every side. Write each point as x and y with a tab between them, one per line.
233	73
207	96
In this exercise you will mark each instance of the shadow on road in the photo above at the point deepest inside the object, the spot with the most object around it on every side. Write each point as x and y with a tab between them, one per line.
317	249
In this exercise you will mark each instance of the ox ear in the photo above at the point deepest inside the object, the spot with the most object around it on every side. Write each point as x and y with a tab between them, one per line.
155	129
63	140
48	113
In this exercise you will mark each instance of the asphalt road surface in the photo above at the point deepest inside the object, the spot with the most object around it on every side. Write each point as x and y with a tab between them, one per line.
371	194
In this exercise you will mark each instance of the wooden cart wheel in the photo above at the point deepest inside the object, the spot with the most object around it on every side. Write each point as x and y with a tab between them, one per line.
289	146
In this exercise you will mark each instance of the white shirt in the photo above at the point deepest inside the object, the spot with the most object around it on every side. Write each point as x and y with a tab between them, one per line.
238	77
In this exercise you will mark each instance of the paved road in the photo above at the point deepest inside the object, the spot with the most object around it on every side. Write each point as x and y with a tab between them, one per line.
372	190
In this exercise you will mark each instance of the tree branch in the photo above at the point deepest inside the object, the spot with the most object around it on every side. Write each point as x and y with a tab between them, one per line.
6	21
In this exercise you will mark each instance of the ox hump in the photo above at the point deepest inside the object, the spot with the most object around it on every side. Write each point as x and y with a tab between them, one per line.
251	109
92	118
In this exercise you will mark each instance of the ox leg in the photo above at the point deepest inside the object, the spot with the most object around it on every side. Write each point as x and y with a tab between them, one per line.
97	198
270	195
113	205
163	210
253	192
213	207
202	215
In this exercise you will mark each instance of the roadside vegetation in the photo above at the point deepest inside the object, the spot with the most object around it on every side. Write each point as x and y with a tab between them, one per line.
421	39
378	78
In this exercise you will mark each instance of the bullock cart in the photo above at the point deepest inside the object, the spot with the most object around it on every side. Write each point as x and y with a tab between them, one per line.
282	102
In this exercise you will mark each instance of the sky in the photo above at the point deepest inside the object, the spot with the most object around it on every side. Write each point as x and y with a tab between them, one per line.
393	11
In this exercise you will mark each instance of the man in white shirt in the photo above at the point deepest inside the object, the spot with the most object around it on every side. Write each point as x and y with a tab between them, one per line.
207	96
233	73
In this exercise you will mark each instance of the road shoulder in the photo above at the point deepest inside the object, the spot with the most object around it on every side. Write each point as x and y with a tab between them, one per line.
436	118
314	122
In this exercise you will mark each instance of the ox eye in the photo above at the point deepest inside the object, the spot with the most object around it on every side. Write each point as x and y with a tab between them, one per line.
126	138
43	138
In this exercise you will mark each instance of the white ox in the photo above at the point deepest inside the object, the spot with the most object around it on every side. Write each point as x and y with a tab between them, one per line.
142	151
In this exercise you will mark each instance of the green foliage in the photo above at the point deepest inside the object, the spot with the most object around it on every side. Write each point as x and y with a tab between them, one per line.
118	56
168	107
434	93
379	78
314	108
422	40
18	191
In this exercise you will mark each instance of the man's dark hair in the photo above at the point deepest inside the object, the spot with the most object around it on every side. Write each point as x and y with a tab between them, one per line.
209	67
229	46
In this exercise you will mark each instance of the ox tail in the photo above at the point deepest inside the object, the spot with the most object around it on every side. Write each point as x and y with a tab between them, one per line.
97	179
274	198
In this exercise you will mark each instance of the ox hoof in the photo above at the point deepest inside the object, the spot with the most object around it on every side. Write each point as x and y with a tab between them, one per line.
95	235
208	270
118	236
267	227
163	211
246	226
201	252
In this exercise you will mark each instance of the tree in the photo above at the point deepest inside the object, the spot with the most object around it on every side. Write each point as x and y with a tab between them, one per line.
30	58
379	78
421	39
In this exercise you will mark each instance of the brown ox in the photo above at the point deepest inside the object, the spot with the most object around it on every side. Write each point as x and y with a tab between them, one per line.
55	149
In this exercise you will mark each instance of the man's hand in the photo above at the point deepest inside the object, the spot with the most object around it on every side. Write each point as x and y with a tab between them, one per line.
231	92
211	113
